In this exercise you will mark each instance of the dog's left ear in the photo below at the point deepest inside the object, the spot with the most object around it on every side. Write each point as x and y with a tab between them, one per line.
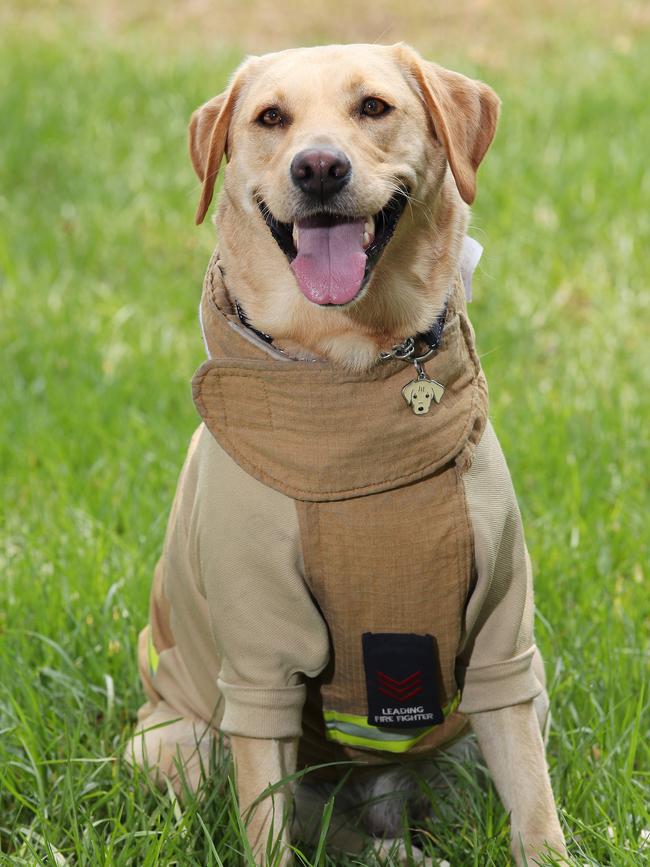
464	114
208	137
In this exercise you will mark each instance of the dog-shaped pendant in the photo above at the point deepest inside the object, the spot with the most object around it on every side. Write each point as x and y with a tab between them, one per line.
420	392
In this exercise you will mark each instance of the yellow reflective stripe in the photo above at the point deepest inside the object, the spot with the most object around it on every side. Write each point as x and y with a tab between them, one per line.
152	654
377	733
349	740
339	725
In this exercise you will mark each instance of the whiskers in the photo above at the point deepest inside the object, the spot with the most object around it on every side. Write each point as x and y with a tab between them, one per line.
396	185
265	210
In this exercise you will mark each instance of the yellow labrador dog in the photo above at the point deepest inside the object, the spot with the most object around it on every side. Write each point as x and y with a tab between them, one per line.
341	223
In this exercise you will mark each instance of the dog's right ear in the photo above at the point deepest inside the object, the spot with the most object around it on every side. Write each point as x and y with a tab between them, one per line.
208	137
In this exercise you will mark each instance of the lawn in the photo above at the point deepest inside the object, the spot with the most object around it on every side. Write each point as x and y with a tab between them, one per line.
100	275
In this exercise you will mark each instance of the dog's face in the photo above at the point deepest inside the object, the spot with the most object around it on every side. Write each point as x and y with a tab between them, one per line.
327	142
327	145
342	211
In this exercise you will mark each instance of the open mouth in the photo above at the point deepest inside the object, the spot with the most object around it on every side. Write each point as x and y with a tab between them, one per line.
332	256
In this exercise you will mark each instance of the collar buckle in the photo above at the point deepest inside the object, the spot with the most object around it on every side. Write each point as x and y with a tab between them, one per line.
405	351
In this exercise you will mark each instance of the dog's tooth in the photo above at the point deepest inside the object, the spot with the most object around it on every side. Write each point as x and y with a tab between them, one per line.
368	231
294	234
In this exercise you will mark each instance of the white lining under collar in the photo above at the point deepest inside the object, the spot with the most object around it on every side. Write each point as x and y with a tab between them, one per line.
470	255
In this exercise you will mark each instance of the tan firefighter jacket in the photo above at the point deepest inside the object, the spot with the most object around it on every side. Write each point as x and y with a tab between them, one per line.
335	565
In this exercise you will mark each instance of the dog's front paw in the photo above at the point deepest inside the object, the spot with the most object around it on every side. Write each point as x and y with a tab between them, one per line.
394	853
547	850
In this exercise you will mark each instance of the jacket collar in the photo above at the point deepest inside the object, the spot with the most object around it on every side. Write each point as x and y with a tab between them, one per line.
316	432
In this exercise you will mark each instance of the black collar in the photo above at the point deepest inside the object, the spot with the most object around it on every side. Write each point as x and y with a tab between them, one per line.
432	337
246	321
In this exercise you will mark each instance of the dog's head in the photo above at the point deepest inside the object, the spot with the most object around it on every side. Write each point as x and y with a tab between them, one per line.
327	145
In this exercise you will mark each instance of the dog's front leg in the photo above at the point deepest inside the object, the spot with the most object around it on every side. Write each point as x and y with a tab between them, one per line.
511	742
260	763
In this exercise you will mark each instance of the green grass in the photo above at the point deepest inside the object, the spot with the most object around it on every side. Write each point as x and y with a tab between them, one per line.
100	274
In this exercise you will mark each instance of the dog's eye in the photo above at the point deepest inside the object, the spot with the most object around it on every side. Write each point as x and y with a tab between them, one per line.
271	117
374	107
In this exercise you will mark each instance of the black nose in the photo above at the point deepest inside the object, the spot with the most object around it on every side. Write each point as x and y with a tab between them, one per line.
320	172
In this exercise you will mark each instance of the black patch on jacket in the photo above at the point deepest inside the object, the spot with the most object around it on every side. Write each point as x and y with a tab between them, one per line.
401	680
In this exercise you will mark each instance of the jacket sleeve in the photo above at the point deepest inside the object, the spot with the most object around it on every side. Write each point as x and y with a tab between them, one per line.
495	662
268	632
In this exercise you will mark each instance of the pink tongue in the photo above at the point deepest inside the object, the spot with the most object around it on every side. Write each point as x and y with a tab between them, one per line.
331	262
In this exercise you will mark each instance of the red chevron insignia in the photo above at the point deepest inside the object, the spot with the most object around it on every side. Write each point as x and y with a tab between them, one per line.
398	683
399	696
400	689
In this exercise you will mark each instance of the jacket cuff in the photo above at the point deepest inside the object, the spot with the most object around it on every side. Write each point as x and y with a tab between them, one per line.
259	712
500	684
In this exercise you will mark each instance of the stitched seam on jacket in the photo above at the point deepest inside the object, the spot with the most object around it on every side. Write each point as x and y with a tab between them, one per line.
266	410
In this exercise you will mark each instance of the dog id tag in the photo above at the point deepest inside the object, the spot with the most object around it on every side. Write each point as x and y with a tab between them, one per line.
421	391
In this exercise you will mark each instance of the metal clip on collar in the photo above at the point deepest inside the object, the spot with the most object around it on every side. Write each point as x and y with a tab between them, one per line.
406	352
